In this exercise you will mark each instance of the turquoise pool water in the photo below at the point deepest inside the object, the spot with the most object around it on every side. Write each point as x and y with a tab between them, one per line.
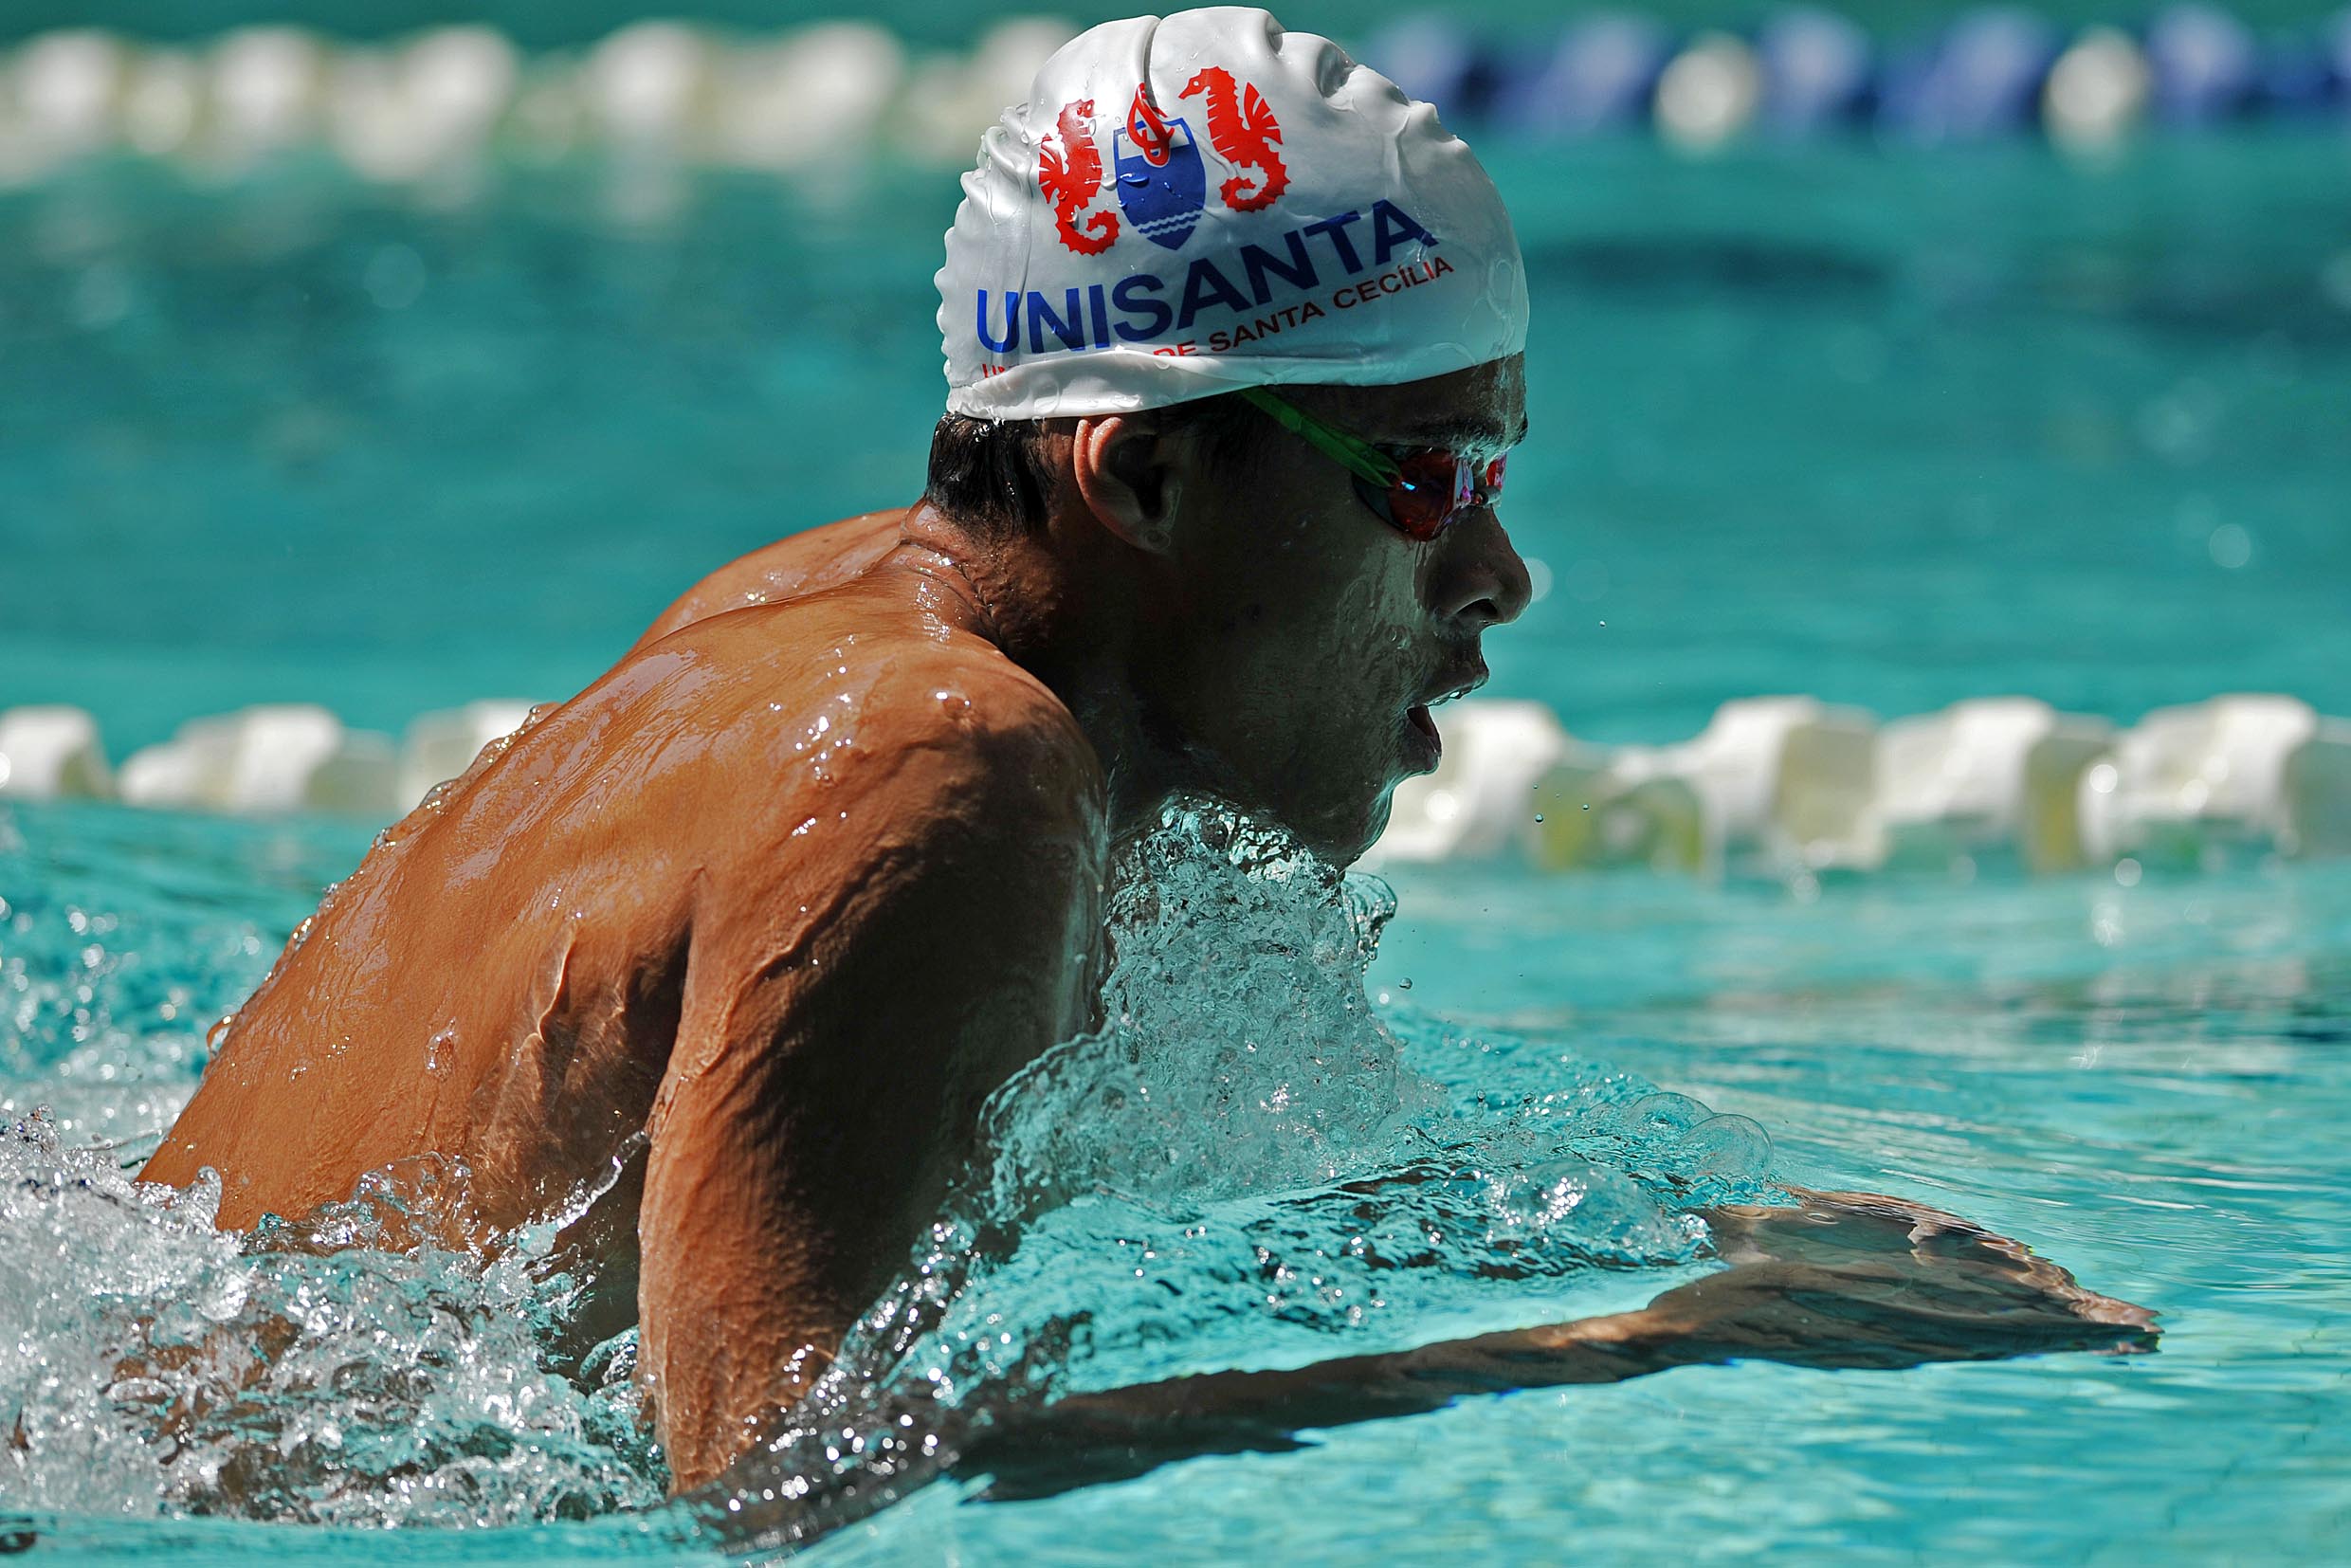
2146	1084
1889	427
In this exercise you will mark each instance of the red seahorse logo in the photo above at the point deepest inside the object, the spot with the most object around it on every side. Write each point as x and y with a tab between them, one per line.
1147	128
1071	177
1242	129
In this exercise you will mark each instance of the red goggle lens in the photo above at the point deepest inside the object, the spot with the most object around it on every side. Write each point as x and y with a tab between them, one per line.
1432	488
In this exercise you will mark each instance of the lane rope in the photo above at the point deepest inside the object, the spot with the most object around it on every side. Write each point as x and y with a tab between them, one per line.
442	102
1788	787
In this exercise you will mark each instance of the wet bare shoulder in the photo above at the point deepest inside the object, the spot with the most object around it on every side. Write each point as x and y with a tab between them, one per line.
804	563
842	705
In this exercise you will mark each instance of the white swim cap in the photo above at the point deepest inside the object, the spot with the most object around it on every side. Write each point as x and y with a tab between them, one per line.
1279	214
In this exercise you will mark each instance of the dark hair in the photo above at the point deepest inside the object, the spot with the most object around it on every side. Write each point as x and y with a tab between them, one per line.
990	474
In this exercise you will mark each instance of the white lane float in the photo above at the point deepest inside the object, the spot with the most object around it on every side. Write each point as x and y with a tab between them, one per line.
838	93
1783	787
441	745
1598	807
646	85
67	88
52	752
1709	93
267	760
162	103
1787	784
2202	784
949	99
810	100
1479	802
267	91
2097	92
1983	777
1776	783
432	105
1790	787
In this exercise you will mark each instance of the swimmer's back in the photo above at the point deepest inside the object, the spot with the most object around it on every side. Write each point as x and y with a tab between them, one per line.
503	981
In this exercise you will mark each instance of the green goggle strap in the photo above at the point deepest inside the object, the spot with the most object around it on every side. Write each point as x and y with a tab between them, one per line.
1358	457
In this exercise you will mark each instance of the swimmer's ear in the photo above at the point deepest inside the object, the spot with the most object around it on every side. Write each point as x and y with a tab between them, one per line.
1129	470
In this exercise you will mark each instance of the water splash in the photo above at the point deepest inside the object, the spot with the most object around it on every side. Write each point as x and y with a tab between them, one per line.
152	1365
1240	1055
1247	1165
149	1363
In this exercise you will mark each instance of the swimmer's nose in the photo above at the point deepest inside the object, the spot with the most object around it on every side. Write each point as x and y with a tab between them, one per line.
1478	580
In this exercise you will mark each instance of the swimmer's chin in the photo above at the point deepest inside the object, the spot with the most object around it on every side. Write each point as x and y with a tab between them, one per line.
1337	825
1343	846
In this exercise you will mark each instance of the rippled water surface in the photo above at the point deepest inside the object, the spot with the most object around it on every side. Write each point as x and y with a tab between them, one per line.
2146	1083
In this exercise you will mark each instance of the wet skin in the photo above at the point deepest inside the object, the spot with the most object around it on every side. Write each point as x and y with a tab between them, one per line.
746	931
689	903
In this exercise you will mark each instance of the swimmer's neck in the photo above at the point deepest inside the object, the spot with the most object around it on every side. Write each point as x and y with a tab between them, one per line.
1066	606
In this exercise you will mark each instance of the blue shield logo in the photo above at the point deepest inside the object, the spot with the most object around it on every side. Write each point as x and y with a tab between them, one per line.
1162	200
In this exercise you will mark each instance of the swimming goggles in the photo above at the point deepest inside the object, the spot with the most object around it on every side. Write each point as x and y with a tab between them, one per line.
1418	491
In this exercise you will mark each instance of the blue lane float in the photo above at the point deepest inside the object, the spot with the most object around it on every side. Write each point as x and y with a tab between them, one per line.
1436	62
1991	72
1819	72
1981	78
2300	81
1599	75
2206	65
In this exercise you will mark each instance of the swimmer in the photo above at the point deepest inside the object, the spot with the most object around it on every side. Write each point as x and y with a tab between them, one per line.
741	937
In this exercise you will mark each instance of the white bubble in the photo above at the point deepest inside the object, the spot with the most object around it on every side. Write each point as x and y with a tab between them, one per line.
395	277
2230	545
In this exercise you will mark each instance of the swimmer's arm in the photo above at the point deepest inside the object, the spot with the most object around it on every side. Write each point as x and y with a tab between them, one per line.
818	559
1844	1280
829	1069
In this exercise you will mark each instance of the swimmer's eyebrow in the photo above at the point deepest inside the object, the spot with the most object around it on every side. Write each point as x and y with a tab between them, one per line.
1462	433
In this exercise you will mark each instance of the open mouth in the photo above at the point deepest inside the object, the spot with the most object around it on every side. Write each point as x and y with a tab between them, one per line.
1420	721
